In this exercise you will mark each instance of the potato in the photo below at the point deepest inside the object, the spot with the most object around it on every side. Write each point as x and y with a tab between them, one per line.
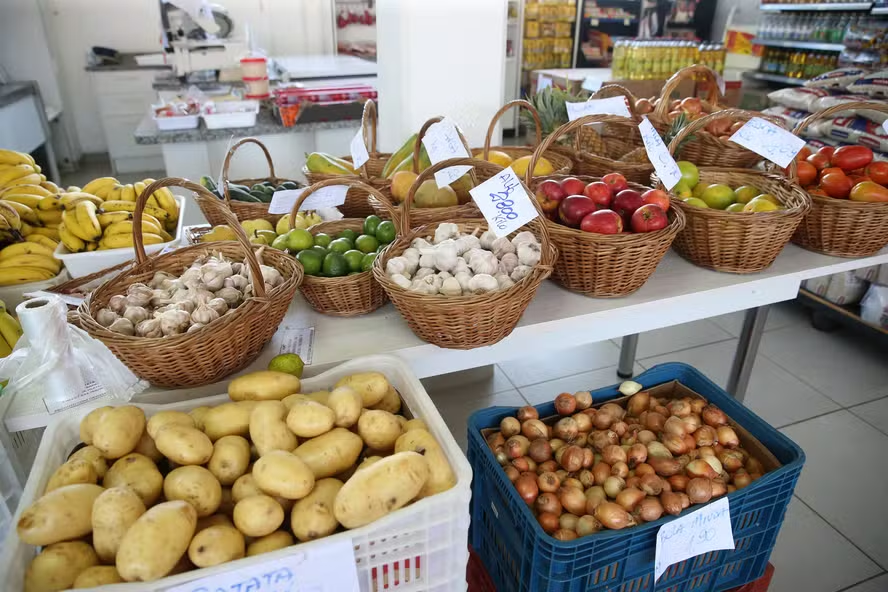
88	423
372	386
283	474
60	515
228	419
308	419
195	485
58	566
290	400
346	405
319	396
184	445
116	432
153	546
94	456
414	424
270	542
231	457
369	461
215	545
312	517
258	515
263	385
381	488
402	421
268	429
214	520
164	418
331	453
113	512
147	447
138	473
73	471
197	414
379	429
244	487
97	575
391	402
441	476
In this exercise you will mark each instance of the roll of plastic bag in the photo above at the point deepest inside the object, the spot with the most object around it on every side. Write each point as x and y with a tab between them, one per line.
60	363
874	306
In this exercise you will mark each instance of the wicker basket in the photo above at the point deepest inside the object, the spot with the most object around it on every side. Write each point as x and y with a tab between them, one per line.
841	227
356	205
242	210
617	139
589	158
422	216
218	349
462	322
738	242
351	295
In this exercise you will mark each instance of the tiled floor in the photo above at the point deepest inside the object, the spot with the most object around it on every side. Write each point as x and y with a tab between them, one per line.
826	391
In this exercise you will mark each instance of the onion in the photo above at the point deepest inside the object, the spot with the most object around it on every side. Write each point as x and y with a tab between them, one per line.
671	502
540	450
587	525
731	460
581	439
523	464
732	488
511	472
566	429
655	421
665	467
517	446
643	106
638	403
527	412
690	443
650	484
534	428
637	454
649	509
679	407
501	457
548	482
705	436
583	399
717	448
632	481
666	485
572	483
741	479
550	466
699	490
613	485
601	439
629	387
685	501
755	476
691	423
620	469
603	420
697	405
573	500
713	416
586	478
657	450
674	426
572	459
557	443
584	422
562	474
588	458
568	521
527	488
601	471
613	454
495	440
644	469
565	404
678	482
562	534
629	498
620	427
613	516
718	488
662	410
675	444
753	465
700	468
548	502
727	437
683	460
616	410
549	522
715	464
510	427
594	496
705	451
646	436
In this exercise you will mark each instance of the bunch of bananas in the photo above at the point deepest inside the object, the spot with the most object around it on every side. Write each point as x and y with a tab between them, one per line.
10	331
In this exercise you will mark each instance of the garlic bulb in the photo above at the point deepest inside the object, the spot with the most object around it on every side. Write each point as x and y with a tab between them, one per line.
508	263
411	255
444	275
195	327
171	285
105	317
503	281
427	259
122	326
424	272
483	283
213	274
529	254
231	296
238	282
463	278
191	274
159	278
430	284
117	304
520	272
219	305
272	276
238	268
174	322
420	243
204	314
445	255
450	287
487	239
523	237
159	297
502	246
484	264
200	296
135	314
398	266
149	328
461	266
447	230
138	295
466	243
401	280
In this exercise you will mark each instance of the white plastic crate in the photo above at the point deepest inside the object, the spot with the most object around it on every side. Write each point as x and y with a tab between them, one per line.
230	114
17	453
419	548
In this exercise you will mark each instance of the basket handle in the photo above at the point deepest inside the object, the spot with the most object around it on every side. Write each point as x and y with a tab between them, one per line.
224	211
369	123
227	163
616	90
386	204
714	96
521	104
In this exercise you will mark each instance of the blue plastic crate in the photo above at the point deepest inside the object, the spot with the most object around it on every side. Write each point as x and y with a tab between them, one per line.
521	557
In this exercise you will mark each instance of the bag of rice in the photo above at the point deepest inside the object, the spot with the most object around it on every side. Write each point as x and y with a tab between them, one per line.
832	101
874	84
798	98
790	117
837	79
854	130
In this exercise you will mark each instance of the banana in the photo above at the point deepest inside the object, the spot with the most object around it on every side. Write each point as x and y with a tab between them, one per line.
5	349
12	276
51	203
50	233
37	190
25	248
166	200
126	227
128	193
27	229
39	239
85	212
9	174
49	216
72	189
10	216
139	186
12	157
10	329
108	218
128	206
70	200
30	201
40	261
51	187
71	241
117	241
52	224
31	179
25	213
70	222
90	247
100	184
113	193
152	219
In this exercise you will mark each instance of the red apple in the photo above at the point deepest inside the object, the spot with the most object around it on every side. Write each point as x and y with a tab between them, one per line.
600	193
617	182
549	194
648	218
574	208
602	222
572	186
625	203
657	197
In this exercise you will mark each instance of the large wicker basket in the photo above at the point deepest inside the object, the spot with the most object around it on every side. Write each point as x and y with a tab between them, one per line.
616	139
841	227
218	349
462	322
351	295
738	242
590	156
242	210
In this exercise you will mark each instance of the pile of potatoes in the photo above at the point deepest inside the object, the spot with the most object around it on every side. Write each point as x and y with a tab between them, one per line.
144	498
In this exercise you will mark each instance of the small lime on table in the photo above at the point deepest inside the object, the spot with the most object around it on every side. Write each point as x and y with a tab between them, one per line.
371	222
349	234
335	265
385	232
311	261
322	239
288	363
299	239
367	261
366	243
354	259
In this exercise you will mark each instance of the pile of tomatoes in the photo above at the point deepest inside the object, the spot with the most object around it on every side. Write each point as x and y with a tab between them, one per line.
848	172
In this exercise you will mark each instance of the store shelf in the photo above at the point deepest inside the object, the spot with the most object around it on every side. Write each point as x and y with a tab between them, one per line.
775	78
834	6
842	314
815	45
880	10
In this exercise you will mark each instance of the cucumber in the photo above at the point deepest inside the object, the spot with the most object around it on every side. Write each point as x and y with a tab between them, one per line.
288	185
239	194
208	184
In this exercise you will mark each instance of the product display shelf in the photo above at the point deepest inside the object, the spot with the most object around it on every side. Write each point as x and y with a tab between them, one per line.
842	314
785	80
819	7
793	44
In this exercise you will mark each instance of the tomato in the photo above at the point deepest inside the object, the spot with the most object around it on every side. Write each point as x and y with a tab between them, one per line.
878	172
820	161
804	153
855	179
807	173
851	157
869	191
836	185
829	170
827	151
817	191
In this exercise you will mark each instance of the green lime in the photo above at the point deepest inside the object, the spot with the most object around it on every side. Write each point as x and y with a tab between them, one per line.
341	245
311	261
349	234
289	363
322	240
385	232
371	222
318	249
335	265
367	261
366	243
280	243
354	259
299	239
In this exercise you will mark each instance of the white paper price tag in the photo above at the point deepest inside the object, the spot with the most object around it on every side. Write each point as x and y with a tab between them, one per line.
358	150
442	141
885	126
658	154
328	568
296	340
707	529
769	140
543	81
592	84
282	202
504	203
608	106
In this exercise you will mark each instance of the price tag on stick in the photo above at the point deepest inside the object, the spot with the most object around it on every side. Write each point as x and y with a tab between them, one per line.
282	202
666	167
442	141
608	106
591	84
769	140
504	203
543	81
358	150
707	529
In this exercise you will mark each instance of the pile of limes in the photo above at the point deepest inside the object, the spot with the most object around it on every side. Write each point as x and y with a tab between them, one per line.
345	254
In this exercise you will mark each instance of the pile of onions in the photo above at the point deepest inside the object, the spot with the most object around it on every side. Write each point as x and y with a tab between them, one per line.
616	466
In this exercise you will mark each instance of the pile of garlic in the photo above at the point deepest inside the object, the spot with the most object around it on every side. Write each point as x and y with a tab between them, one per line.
212	287
456	264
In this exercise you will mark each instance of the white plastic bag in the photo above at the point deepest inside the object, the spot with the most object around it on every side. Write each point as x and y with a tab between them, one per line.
874	306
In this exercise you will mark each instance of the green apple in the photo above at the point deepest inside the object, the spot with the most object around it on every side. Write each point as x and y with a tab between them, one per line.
689	173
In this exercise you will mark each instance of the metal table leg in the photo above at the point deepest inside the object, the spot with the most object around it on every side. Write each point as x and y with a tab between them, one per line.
747	348
626	367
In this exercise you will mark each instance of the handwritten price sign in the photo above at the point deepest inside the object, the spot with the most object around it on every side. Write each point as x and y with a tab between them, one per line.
769	140
666	167
358	150
608	106
707	529
442	141
504	203
326	197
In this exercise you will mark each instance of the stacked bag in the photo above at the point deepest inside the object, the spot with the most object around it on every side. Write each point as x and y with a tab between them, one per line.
867	287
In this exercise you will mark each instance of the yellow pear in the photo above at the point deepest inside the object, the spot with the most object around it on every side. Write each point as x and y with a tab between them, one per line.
250	226
543	166
401	182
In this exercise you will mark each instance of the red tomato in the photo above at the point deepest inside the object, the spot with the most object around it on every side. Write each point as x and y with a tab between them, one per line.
804	153
855	179
869	192
836	185
829	170
807	173
878	172
851	157
827	151
817	191
820	161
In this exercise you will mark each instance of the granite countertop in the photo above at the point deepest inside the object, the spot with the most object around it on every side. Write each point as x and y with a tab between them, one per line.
127	62
14	91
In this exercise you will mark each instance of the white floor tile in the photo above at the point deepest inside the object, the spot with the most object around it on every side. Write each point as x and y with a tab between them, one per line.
548	365
811	556
879	584
486	379
844	480
874	413
774	394
585	381
678	337
780	315
841	365
456	405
